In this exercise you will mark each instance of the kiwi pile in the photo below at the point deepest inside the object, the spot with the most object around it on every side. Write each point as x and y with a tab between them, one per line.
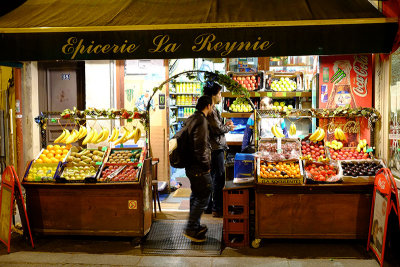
124	156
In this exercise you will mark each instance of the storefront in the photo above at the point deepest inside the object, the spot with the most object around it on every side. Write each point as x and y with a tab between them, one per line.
120	31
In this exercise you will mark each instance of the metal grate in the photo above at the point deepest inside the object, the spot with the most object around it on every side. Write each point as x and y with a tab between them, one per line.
165	238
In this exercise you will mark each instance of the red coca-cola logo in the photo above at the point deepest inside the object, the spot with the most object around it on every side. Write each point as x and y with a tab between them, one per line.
360	67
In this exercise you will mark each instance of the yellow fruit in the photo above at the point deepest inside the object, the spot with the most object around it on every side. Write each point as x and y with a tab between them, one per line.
47	160
50	147
42	156
68	146
50	155
45	152
39	161
58	151
58	156
65	151
54	160
56	147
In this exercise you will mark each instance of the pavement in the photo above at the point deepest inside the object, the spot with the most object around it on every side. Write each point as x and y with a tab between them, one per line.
121	251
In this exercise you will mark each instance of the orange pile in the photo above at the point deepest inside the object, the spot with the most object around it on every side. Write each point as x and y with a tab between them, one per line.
280	170
53	154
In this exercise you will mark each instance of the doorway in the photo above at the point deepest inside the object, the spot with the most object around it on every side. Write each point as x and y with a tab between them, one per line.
61	86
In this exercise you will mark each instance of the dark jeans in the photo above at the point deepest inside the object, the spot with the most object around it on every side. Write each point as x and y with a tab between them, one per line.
217	179
200	185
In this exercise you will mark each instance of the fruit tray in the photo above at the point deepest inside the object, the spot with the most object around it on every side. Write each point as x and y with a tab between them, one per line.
52	154
356	175
267	149
78	173
41	172
125	156
252	81
346	153
322	173
287	172
313	151
274	78
78	155
119	173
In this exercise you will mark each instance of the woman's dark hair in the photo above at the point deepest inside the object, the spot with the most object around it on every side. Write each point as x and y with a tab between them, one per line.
211	88
203	102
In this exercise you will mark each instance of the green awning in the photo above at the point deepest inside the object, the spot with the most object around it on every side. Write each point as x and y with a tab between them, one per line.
118	29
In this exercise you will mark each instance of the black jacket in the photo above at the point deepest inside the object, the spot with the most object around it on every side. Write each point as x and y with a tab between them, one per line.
199	160
217	130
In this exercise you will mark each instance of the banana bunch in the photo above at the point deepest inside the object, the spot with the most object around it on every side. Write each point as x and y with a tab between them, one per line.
114	135
362	145
135	135
336	145
123	138
276	132
292	129
339	134
63	136
318	135
101	137
92	135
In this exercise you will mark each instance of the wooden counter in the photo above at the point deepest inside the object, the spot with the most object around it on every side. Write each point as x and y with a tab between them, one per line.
106	209
328	211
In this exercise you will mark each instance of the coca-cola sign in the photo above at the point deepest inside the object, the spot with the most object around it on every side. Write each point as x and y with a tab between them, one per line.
360	67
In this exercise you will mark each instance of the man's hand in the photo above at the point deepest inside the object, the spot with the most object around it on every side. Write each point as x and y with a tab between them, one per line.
230	124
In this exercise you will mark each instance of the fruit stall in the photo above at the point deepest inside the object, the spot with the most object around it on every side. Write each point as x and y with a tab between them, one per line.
311	188
85	185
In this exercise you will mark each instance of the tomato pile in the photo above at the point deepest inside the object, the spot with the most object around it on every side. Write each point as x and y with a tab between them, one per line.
129	173
347	153
280	170
320	172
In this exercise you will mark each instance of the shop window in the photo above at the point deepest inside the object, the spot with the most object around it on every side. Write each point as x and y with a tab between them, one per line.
394	158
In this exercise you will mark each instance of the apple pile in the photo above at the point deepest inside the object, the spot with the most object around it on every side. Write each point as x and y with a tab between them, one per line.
313	149
321	172
125	174
250	82
347	153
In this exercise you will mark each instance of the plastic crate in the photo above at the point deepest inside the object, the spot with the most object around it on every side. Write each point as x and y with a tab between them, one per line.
238	225
236	239
236	197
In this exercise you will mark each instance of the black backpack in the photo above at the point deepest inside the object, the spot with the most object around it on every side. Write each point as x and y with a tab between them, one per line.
179	156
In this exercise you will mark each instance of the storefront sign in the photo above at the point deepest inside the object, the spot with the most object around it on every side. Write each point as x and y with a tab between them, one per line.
346	126
194	43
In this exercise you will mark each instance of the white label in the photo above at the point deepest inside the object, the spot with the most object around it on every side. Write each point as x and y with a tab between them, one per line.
394	136
279	145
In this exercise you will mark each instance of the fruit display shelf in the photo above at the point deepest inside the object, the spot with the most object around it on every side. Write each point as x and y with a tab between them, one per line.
320	173
283	172
41	172
360	171
80	156
270	150
346	153
125	156
273	94
315	151
78	173
252	81
119	173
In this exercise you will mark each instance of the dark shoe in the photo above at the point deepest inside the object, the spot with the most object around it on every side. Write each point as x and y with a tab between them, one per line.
195	236
217	214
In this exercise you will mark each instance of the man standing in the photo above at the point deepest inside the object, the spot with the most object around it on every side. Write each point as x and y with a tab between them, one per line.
218	145
198	168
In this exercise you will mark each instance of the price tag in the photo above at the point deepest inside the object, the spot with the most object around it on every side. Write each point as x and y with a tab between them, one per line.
129	120
53	120
301	137
298	94
269	94
369	150
284	94
98	163
104	149
279	94
140	164
257	94
279	145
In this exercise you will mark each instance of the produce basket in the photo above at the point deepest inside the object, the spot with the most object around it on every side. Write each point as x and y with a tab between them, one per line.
41	172
322	173
340	154
119	173
313	151
287	172
290	149
274	80
353	175
81	156
125	156
78	173
253	81
238	105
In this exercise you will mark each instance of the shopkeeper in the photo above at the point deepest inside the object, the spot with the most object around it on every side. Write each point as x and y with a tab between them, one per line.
264	127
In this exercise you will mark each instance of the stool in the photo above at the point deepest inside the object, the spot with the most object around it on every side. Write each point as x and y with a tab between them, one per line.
154	185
